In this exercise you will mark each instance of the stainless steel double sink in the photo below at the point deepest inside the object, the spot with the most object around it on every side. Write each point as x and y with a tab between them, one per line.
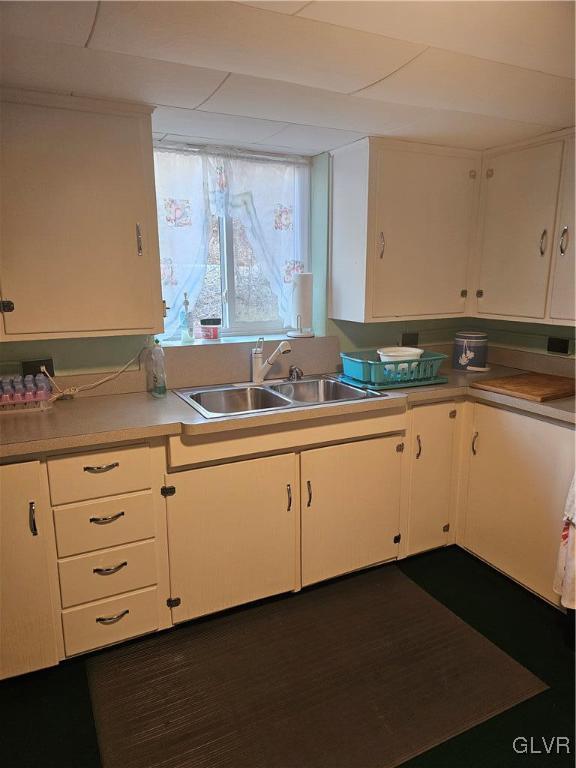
233	400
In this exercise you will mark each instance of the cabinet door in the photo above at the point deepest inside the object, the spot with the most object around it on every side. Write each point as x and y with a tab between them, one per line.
519	478
27	629
563	300
431	481
79	187
520	193
232	532
350	507
421	233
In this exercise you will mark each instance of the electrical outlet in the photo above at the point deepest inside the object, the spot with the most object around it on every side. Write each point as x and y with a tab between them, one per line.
410	339
33	366
560	346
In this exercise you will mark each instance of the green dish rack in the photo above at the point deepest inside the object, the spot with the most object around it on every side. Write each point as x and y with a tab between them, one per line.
367	369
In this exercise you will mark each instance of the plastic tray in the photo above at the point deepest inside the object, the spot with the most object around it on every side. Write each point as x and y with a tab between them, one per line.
366	367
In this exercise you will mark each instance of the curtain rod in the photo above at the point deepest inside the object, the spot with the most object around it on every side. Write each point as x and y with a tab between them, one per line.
218	150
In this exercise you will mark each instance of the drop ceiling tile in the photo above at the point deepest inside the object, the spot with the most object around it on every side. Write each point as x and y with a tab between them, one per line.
224	128
271	99
461	129
64	22
310	139
444	80
537	35
52	66
85	72
237	38
279	6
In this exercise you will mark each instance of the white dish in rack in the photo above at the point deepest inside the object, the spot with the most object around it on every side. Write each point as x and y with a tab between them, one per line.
396	354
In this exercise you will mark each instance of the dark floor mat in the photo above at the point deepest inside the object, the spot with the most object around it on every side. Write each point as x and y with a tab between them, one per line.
364	672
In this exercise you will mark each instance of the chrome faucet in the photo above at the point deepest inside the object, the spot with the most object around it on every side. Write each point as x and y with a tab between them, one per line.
295	373
261	367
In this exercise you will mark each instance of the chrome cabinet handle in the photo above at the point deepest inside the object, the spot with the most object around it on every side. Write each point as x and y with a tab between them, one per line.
474	439
112	619
139	245
106	520
102	468
309	487
289	492
111	570
564	241
32	518
543	242
419	451
382	245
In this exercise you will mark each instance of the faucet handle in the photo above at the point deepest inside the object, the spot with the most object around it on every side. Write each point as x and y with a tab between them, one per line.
295	373
259	345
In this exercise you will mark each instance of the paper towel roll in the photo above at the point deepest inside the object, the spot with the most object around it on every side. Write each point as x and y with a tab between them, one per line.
301	318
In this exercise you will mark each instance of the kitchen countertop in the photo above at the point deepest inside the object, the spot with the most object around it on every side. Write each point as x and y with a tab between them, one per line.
91	421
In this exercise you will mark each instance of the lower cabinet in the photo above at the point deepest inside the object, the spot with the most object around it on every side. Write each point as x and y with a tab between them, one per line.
233	534
350	506
27	624
431	461
520	472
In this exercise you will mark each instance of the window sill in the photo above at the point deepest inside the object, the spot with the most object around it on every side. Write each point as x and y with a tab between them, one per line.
227	340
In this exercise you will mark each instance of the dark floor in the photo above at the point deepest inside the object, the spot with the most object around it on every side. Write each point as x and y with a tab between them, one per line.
46	718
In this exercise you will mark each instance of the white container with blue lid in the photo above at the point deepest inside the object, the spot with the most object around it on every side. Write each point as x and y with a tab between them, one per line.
470	351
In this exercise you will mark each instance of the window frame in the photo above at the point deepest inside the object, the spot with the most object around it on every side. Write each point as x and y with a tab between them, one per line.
302	212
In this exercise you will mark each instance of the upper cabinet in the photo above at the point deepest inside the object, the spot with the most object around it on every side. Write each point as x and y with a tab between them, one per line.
79	248
415	235
516	235
402	228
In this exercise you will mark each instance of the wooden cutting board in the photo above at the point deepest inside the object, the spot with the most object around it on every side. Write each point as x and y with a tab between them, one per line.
530	386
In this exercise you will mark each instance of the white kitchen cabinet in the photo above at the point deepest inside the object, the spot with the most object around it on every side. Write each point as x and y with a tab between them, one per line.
402	229
432	481
79	232
233	534
350	506
27	618
520	472
516	237
562	302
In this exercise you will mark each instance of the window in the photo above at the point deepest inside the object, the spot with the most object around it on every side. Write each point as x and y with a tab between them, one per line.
233	231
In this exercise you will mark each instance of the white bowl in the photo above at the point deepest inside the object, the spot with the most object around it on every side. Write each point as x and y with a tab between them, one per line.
394	354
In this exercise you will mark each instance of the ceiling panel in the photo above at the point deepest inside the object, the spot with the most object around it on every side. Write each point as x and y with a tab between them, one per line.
445	80
462	129
188	122
536	35
86	72
65	22
279	6
311	140
270	99
239	38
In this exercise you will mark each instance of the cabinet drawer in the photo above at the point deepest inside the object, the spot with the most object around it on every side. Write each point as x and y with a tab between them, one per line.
125	616
105	473
101	524
107	573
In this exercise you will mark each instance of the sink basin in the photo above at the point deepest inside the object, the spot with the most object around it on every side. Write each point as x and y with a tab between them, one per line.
228	401
318	391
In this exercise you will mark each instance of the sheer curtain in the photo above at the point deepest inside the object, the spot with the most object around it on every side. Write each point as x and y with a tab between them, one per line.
269	197
183	229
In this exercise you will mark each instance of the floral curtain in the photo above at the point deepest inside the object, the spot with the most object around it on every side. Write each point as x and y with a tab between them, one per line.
270	199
